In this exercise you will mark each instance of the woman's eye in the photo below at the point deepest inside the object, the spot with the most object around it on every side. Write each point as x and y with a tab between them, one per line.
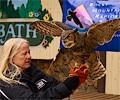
24	53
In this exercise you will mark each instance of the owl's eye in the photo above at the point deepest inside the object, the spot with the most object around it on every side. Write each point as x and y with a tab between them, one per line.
70	37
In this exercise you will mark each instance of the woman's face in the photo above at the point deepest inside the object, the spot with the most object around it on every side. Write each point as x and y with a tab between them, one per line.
23	57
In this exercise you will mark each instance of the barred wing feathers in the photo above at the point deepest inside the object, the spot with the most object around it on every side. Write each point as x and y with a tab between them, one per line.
49	28
102	32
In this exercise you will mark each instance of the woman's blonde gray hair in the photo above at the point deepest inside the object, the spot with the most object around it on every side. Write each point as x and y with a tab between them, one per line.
8	70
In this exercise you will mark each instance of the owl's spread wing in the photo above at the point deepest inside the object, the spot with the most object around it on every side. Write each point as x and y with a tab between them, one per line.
49	28
102	32
63	25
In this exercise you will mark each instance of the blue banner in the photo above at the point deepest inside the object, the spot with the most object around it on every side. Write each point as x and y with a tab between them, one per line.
89	12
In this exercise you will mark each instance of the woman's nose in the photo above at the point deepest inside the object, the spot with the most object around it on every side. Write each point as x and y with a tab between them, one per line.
28	55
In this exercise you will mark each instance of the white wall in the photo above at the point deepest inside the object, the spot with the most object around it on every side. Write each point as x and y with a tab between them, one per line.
113	73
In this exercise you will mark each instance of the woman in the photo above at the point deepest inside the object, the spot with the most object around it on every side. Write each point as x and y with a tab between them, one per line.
20	79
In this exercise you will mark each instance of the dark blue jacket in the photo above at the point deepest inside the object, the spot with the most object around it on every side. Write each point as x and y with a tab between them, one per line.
36	86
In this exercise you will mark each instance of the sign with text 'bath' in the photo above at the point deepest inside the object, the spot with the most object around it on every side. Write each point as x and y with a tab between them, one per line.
15	18
20	28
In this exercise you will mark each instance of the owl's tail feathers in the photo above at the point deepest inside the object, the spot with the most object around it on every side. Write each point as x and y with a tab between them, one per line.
98	72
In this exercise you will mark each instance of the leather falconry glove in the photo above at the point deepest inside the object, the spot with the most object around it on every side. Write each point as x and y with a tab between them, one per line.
81	72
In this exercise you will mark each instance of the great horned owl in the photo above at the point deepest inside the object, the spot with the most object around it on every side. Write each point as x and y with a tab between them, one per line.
81	45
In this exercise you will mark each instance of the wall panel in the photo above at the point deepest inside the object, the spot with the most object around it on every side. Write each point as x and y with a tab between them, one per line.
113	73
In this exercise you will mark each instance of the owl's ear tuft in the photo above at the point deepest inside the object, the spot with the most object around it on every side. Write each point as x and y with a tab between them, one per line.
75	30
